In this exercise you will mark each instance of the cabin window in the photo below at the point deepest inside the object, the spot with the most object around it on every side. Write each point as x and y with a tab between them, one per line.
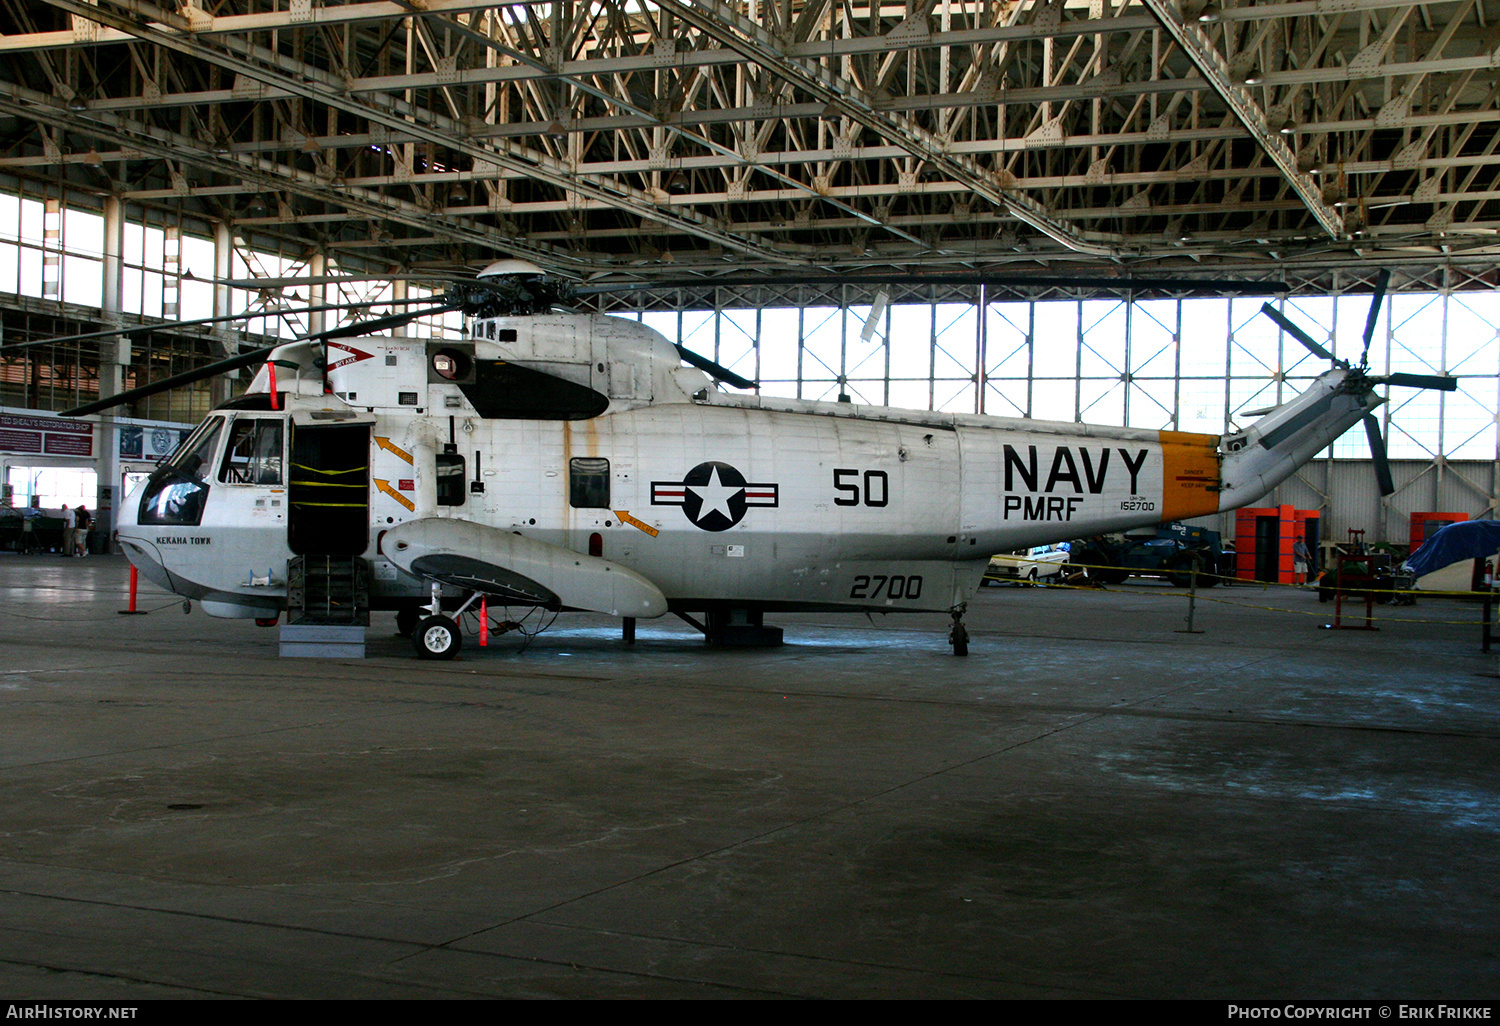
588	483
452	365
253	455
176	491
451	474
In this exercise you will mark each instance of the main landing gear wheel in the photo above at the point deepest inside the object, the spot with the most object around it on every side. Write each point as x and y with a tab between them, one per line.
436	637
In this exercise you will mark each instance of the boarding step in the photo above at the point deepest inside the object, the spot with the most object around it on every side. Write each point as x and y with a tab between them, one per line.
331	590
322	641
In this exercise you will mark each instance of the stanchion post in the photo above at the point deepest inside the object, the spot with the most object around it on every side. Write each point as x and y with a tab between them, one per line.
1192	596
134	580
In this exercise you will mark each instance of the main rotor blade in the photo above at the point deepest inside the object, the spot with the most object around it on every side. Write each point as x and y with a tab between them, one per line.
1374	314
136	329
1442	382
975	278
175	381
381	323
1297	333
714	370
1377	453
291	281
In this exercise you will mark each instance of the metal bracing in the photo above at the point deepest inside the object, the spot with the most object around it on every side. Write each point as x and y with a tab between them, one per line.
651	140
1204	365
1146	360
1207	365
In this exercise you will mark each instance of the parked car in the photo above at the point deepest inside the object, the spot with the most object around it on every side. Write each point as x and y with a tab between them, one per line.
1027	566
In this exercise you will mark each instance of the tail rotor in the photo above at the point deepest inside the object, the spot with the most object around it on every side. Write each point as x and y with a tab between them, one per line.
1357	379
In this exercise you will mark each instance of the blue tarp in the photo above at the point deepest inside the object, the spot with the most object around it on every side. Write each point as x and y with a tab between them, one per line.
1467	539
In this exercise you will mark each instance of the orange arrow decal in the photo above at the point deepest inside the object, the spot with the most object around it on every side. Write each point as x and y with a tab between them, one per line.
385	486
385	443
641	525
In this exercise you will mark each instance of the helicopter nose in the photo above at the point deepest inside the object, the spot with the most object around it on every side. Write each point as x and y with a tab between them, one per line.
145	557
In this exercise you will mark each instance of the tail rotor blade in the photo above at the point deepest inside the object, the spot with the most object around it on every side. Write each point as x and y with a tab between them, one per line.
1442	382
1377	453
1374	314
1297	333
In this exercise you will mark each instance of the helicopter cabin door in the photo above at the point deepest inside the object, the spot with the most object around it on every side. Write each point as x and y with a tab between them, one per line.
328	490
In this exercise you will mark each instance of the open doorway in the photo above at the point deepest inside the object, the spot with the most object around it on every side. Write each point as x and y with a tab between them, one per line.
329	490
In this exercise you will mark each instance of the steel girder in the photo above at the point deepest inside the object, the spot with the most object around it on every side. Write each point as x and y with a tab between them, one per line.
652	139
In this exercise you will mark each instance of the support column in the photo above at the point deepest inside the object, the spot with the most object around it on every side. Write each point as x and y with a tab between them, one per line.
222	385
114	358
317	266
399	292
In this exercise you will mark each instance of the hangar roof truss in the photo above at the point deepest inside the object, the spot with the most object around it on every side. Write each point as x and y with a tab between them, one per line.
653	140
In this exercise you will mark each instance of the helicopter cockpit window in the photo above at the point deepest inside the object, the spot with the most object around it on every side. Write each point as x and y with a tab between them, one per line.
176	491
451	473
588	483
253	455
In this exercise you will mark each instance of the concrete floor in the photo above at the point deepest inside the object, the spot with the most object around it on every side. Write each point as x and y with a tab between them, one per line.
1090	805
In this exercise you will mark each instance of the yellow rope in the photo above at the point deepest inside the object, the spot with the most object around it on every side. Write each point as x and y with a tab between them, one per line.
320	470
1277	584
1323	614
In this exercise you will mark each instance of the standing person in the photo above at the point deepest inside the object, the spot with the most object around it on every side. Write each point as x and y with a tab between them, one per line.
1301	559
82	521
70	524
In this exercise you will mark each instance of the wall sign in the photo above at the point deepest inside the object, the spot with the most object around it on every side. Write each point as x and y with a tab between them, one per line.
49	436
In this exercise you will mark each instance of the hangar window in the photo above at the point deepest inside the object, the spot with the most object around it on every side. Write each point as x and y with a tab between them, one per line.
588	483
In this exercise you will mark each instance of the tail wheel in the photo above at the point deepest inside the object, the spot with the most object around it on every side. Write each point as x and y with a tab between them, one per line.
436	637
958	636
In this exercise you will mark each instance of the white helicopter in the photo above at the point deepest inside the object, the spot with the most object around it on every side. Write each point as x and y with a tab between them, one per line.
575	462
